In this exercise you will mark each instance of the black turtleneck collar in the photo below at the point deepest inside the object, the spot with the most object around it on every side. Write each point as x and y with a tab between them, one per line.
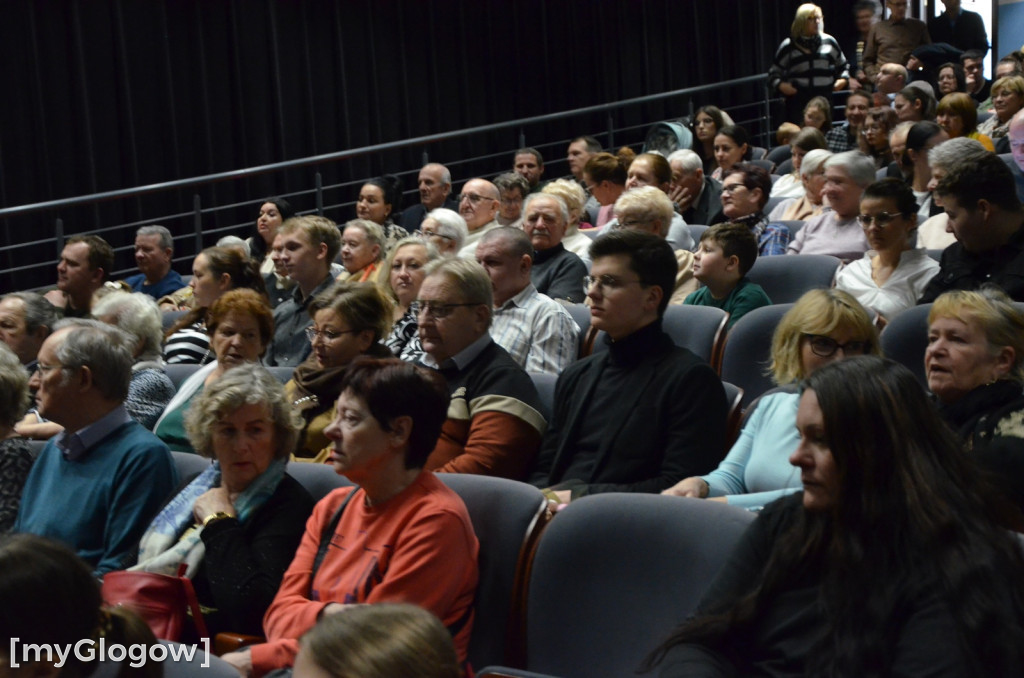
983	400
634	348
540	256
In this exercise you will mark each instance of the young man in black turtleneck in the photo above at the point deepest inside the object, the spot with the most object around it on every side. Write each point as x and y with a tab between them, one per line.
645	413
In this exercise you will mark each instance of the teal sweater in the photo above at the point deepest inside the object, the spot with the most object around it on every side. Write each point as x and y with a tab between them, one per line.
100	504
745	297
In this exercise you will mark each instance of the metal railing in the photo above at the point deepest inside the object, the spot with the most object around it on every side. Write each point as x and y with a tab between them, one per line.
752	111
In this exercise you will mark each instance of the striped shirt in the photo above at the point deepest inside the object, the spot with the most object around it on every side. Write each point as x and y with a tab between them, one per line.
536	331
817	70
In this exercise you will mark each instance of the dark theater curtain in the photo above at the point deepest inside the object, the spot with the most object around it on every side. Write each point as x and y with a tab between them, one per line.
107	94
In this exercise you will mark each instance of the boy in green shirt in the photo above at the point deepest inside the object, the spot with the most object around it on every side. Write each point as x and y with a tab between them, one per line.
726	253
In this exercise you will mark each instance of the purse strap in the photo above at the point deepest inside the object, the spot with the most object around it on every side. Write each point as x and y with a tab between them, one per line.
193	602
325	538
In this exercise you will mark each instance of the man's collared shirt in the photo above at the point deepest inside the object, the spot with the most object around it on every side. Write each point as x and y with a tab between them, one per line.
536	331
460	360
74	446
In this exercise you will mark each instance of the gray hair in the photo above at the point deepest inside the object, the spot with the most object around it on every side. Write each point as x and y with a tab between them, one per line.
562	208
14	393
166	241
687	159
233	241
509	180
446	176
39	312
469	277
138	315
648	203
451	224
813	161
955	151
374	233
246	384
515	240
104	349
860	167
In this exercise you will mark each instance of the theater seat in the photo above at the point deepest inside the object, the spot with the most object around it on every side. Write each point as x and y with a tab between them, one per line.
698	328
545	385
747	354
905	339
786	278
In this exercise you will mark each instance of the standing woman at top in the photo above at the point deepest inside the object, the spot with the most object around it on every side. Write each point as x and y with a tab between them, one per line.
808	63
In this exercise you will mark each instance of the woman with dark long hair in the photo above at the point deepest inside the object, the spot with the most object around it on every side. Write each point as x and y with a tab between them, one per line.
893	561
706	123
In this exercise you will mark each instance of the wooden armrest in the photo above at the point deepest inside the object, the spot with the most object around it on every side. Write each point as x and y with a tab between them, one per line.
229	642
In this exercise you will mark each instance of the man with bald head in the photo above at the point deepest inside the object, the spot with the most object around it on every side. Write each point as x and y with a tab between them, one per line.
557	272
478	205
435	185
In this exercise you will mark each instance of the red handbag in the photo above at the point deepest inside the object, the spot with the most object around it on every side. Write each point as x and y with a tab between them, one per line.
161	600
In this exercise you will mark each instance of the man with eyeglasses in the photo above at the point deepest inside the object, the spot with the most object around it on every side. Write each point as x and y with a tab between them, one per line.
988	221
478	205
513	189
96	485
446	229
536	330
893	39
494	423
435	187
644	414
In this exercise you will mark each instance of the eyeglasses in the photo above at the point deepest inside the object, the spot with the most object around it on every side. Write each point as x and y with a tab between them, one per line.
826	347
474	198
327	335
437	310
431	234
43	370
592	187
633	223
881	219
607	283
731	188
505	200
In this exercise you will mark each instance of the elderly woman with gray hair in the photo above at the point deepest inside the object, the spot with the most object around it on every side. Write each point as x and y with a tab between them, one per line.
137	314
837	232
236	526
15	454
810	204
446	230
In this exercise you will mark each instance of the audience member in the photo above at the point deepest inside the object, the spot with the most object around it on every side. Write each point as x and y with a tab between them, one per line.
725	256
279	285
538	333
934	233
94	486
958	27
1009	66
478	205
580	151
809	63
784	135
85	264
978	87
731	147
273	213
874	140
362	248
435	187
791	185
26	319
1016	137
604	177
892	40
379	199
494	425
309	245
988	222
1007	100
575	199
556	271
16	455
823	326
958	116
818	114
512	188
236	526
405	270
951	78
529	164
812	176
446	230
696	196
912	104
843	137
891	79
892	274
836	231
154	250
648	209
407	537
864	15
921	139
645	413
150	389
745	189
876	463
898	146
349	320
241	325
706	124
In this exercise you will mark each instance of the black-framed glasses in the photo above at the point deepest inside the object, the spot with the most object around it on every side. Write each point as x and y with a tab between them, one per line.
881	219
327	335
607	283
731	188
826	347
438	310
474	198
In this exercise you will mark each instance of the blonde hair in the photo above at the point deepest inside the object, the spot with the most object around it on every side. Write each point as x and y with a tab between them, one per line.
572	194
817	312
803	13
385	276
991	310
648	203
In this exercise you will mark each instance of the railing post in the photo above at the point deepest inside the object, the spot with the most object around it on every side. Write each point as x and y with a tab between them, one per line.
426	158
58	228
197	221
611	133
522	138
319	194
768	115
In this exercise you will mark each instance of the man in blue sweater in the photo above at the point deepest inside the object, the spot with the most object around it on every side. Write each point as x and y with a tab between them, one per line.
97	484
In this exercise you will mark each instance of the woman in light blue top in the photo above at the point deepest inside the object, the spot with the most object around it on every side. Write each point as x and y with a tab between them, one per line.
823	326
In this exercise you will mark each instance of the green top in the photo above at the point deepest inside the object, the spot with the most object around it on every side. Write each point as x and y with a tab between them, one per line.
172	429
745	297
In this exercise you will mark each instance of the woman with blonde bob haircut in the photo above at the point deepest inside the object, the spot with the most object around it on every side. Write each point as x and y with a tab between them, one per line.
974	365
378	641
822	327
